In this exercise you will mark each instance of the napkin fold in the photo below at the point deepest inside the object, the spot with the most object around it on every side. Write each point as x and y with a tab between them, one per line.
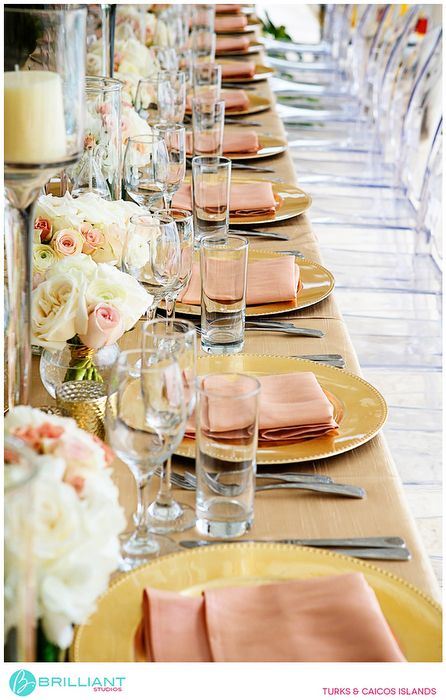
238	69
235	101
230	24
245	199
269	280
232	43
324	619
233	142
293	407
227	9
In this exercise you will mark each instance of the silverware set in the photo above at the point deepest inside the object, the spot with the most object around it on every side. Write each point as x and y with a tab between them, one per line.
384	548
188	481
275	327
242	166
260	234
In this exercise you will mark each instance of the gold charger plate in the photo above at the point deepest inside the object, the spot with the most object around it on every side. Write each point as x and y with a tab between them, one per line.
270	146
317	284
415	619
360	409
262	73
293	201
254	47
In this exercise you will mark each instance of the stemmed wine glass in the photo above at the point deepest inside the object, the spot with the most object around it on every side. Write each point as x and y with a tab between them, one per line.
44	107
152	254
145	422
165	57
177	340
172	96
146	168
147	98
174	138
185	226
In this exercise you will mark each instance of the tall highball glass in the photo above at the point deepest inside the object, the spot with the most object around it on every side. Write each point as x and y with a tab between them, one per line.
44	108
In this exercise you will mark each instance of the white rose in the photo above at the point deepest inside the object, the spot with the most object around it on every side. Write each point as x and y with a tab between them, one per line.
79	266
121	290
61	211
43	258
58	310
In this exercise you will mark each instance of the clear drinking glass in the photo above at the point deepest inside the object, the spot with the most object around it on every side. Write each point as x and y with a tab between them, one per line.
185	59
203	16
227	415
178	340
44	111
224	267
203	43
207	81
164	57
152	255
211	179
208	123
174	137
147	98
172	96
145	421
146	168
185	227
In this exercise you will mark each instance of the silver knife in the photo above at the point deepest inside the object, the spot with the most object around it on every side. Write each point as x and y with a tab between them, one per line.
260	234
303	332
362	542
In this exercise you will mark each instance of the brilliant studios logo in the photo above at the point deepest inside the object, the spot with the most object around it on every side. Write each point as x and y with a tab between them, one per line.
22	682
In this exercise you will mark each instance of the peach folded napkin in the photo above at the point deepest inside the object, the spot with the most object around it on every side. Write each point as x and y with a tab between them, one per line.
233	142
227	9
293	407
270	280
232	43
245	199
238	69
230	24
235	100
324	619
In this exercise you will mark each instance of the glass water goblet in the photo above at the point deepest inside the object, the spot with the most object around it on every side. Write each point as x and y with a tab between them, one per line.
145	422
165	57
174	137
152	255
146	99
185	226
175	340
146	168
172	96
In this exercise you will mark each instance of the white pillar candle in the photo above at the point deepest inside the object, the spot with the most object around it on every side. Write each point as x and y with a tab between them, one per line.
34	117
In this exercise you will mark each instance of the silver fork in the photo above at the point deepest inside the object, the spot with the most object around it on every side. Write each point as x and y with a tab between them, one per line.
234	489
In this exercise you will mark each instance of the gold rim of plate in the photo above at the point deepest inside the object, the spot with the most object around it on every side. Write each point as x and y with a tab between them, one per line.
253	48
414	618
294	202
364	410
270	146
262	73
317	284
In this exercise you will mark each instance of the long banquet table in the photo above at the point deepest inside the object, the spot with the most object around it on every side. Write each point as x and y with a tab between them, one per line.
300	514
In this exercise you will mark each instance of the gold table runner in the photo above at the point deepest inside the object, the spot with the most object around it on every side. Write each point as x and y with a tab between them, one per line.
287	514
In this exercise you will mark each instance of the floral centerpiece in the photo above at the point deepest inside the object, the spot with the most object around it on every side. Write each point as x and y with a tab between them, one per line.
86	306
88	224
76	524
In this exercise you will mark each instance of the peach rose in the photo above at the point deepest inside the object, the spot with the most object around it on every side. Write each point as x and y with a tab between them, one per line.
93	238
68	241
45	228
105	326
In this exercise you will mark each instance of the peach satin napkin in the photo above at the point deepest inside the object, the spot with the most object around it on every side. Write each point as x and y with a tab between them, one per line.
227	9
230	24
245	199
293	407
235	100
270	280
232	43
238	69
233	142
324	619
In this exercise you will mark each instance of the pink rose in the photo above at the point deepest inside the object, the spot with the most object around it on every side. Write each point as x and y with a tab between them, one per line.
93	238
104	327
45	227
68	241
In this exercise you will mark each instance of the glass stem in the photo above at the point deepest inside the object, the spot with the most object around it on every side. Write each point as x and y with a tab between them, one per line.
151	311
167	199
164	496
19	244
171	300
142	505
